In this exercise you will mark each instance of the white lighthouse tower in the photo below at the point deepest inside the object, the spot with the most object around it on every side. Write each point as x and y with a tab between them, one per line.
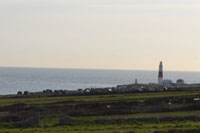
160	73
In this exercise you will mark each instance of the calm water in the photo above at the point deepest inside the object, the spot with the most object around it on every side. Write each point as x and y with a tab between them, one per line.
37	79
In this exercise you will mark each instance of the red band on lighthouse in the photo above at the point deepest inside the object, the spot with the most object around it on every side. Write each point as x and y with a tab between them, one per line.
160	75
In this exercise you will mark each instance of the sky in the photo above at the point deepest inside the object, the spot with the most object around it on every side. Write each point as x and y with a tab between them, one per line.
102	34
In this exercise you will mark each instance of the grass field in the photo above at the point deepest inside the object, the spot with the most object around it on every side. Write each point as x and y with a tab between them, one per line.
140	127
49	122
68	100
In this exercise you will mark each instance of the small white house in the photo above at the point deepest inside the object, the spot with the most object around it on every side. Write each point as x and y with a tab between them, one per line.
180	82
167	82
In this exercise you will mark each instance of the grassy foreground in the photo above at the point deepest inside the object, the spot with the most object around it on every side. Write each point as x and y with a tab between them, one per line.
90	108
139	127
69	100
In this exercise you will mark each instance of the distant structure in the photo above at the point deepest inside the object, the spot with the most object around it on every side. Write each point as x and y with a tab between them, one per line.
160	73
167	82
136	82
180	82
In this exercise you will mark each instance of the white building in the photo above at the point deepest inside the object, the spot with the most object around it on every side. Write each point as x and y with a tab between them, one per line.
167	82
180	82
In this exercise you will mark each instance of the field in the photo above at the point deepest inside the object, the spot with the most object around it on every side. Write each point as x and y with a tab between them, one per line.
128	113
69	100
109	128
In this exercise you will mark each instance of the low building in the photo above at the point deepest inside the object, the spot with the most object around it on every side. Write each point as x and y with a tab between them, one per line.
180	82
167	82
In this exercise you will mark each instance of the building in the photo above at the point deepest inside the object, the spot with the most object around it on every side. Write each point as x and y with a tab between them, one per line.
180	82
136	82
167	82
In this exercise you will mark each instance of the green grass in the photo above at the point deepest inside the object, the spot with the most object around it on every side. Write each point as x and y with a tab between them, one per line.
48	122
69	100
108	128
138	115
53	120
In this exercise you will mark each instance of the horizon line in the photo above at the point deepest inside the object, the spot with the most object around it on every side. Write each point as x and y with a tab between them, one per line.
114	69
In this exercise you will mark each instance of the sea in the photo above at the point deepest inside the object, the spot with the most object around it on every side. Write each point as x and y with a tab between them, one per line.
14	79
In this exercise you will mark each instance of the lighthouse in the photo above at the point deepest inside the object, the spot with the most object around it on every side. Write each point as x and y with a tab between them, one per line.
160	73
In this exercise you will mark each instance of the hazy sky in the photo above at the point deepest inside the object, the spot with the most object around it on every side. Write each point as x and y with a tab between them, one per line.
110	34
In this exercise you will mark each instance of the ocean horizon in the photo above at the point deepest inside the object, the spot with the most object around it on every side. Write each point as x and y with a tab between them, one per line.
14	79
